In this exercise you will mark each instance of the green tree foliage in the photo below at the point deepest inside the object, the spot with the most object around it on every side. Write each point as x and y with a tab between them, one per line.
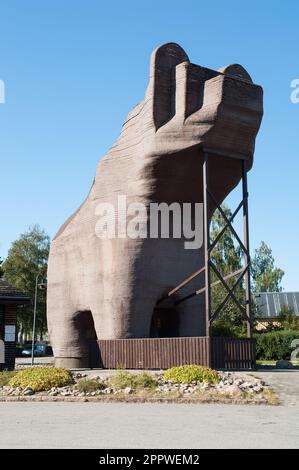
227	257
288	319
1	270
275	345
27	258
266	277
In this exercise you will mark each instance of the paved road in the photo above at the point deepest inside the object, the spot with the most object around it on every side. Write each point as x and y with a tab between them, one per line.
284	382
110	425
107	425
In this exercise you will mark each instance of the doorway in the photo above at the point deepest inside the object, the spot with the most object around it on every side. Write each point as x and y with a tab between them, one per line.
87	336
165	323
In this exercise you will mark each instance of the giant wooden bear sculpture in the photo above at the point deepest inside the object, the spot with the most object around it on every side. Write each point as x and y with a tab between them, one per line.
111	286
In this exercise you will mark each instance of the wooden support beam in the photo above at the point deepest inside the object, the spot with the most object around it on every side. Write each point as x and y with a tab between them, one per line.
206	226
247	253
213	284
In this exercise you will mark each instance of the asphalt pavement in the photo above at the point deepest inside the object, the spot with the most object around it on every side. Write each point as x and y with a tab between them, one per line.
171	426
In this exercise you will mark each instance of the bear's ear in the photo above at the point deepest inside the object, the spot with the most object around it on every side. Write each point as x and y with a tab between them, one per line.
161	87
236	71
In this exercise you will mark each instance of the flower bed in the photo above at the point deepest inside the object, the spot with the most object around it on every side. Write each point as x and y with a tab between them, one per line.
183	384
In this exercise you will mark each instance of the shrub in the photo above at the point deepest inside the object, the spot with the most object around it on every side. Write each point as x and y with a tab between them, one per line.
226	330
125	379
145	380
288	318
41	378
90	385
5	377
122	379
275	345
188	374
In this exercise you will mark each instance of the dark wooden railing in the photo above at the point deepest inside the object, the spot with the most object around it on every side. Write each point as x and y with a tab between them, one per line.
233	353
162	353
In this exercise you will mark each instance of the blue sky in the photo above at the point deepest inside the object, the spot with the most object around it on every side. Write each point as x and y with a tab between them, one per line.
73	69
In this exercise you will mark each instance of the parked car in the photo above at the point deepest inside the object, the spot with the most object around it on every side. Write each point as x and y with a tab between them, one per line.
39	350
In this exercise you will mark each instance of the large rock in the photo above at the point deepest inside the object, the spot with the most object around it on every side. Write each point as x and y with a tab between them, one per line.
28	391
283	364
232	390
109	287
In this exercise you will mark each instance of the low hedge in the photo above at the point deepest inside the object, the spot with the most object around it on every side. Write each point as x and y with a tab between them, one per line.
275	345
188	374
41	378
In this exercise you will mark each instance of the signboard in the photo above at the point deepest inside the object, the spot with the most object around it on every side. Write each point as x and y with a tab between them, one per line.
10	333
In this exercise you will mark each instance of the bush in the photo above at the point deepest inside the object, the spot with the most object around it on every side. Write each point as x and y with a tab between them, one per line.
125	379
41	378
90	385
122	379
275	345
5	377
288	318
145	380
226	330
188	374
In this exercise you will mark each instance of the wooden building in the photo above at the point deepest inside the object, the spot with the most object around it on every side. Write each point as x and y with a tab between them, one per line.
10	299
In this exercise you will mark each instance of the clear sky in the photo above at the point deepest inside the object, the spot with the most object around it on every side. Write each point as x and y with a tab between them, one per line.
73	69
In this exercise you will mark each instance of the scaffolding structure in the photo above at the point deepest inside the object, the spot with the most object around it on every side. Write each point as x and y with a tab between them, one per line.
209	266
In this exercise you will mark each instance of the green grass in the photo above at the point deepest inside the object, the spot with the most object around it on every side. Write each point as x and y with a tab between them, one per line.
272	363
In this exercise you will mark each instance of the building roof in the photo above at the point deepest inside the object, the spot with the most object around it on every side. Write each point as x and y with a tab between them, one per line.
10	293
269	304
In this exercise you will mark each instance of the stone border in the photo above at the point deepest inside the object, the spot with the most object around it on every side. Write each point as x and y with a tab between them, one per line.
132	399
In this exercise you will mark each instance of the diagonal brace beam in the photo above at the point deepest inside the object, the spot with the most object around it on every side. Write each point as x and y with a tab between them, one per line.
228	223
231	219
229	290
222	304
